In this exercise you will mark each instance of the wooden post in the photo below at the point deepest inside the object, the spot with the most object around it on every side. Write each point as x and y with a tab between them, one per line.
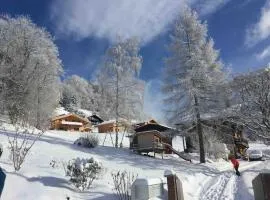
261	184
175	189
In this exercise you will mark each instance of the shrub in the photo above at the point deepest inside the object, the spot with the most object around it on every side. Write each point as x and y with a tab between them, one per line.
20	144
122	184
88	141
83	172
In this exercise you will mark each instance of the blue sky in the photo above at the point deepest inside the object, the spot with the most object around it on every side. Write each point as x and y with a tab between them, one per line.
83	29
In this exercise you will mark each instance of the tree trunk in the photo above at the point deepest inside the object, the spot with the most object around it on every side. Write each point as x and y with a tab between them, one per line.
199	130
117	105
38	110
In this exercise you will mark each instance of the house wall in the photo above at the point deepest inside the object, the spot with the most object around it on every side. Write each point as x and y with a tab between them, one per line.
57	125
109	127
145	140
74	119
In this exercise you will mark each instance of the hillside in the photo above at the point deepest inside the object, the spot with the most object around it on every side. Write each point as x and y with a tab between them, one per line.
38	180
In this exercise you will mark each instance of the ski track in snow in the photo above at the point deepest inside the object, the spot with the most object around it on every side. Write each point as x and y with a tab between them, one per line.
220	187
224	186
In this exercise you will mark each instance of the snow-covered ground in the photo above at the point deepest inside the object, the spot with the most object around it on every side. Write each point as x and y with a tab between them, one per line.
38	180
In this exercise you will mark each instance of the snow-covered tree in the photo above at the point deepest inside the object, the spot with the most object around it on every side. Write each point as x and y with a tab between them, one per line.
253	90
118	83
79	93
29	81
193	74
29	71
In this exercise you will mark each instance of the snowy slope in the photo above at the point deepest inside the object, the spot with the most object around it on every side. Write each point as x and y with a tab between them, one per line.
38	180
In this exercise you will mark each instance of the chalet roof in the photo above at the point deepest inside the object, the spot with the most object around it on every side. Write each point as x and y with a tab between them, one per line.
113	121
59	111
96	117
152	126
86	113
68	115
107	122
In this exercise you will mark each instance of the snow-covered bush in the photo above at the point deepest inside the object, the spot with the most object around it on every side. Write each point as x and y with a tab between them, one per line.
89	141
122	181
83	172
20	144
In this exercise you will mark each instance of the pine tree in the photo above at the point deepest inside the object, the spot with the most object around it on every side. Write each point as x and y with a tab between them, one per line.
193	74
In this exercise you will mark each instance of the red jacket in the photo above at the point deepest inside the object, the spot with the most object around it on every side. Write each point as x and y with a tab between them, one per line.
235	162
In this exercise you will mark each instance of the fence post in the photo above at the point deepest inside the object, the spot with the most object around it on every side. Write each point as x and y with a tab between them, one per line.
175	189
2	181
261	185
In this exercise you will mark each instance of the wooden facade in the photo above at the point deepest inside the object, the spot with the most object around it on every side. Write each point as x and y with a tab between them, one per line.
110	127
150	137
70	122
150	141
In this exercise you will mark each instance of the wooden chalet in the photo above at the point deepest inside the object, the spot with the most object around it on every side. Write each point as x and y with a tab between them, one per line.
111	127
150	141
150	137
70	122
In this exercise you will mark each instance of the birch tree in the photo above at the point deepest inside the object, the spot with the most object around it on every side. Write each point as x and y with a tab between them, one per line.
117	79
193	74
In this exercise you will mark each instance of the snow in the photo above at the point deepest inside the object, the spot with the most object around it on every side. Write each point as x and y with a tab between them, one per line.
177	143
169	173
148	181
87	113
107	122
71	123
60	111
38	180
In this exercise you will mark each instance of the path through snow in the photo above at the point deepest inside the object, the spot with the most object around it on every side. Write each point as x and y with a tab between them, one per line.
222	187
225	185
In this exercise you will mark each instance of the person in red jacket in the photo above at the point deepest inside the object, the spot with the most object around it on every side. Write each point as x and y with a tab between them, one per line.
235	163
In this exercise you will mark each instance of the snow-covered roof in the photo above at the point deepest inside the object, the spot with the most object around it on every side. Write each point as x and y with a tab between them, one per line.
87	113
72	123
70	114
60	111
113	121
107	122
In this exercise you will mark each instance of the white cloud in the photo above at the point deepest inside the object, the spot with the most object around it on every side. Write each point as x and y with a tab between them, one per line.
261	30
209	6
264	54
153	100
126	18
